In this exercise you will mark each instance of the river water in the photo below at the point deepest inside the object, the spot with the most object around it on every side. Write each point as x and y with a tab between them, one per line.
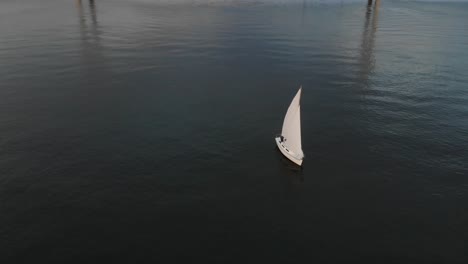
142	131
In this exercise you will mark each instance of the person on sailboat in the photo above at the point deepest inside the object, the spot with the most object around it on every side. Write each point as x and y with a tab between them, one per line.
281	139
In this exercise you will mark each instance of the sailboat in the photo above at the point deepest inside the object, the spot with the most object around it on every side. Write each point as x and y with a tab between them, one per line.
289	142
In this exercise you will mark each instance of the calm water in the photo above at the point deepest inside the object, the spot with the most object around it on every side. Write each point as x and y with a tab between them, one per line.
143	131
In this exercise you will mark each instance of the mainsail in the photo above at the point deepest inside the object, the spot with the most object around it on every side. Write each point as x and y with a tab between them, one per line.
292	126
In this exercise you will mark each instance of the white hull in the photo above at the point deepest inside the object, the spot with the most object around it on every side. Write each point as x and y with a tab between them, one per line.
288	153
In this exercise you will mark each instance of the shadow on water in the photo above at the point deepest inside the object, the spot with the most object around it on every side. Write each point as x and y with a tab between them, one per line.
288	169
367	59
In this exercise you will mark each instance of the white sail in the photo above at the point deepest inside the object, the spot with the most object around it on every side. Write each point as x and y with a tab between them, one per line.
292	126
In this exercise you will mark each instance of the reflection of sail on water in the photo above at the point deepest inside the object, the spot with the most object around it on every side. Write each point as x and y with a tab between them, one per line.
88	35
81	17
92	8
367	59
91	48
303	11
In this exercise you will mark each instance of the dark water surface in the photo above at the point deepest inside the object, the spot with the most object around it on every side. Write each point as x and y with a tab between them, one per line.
135	131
